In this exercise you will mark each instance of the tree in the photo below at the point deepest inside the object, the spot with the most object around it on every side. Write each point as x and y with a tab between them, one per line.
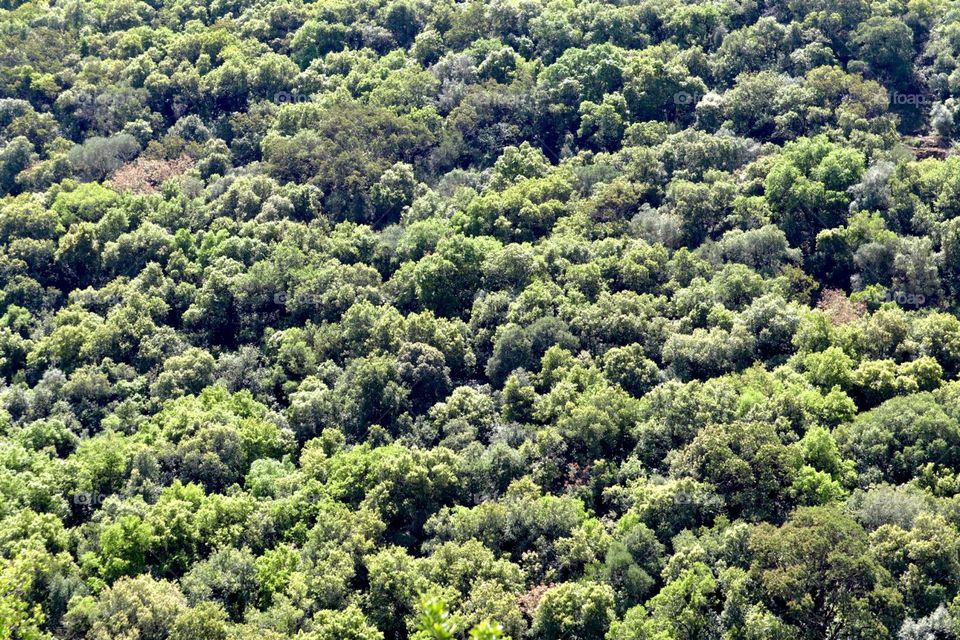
124	546
424	371
370	392
901	435
807	186
685	607
395	585
746	462
227	577
925	577
315	38
631	369
348	624
15	156
632	561
138	607
206	620
886	43
574	610
817	573
98	157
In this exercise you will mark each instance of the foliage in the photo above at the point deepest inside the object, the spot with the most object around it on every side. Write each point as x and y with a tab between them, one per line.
522	319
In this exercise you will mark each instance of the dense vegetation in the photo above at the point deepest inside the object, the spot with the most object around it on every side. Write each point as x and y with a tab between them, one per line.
527	319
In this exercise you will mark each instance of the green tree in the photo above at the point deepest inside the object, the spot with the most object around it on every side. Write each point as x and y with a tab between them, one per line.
818	574
574	610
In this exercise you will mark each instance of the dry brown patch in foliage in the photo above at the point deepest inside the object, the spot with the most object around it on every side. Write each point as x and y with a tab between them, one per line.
529	601
146	175
840	308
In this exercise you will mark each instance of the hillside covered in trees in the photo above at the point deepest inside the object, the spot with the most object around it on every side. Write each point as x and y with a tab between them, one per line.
519	319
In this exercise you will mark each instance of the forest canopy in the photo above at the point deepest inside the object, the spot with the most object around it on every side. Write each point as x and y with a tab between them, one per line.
506	320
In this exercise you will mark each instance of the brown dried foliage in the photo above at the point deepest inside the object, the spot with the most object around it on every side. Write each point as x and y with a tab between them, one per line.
529	601
840	308
146	175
